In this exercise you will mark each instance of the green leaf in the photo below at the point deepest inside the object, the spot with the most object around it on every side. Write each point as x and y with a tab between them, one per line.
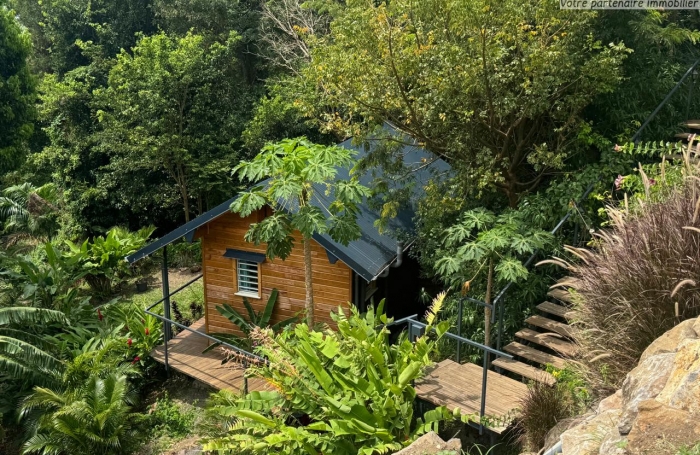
409	373
511	269
259	418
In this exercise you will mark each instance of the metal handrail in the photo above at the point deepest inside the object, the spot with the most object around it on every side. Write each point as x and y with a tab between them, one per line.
189	283
665	100
238	350
167	322
245	354
488	351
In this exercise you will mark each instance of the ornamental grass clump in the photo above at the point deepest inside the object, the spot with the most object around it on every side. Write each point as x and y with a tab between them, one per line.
641	278
541	409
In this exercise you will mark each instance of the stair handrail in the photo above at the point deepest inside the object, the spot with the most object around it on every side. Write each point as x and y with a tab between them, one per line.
412	321
651	117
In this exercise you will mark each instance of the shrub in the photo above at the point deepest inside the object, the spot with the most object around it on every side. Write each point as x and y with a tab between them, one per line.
342	392
541	409
167	419
185	254
640	280
93	418
259	320
45	280
102	258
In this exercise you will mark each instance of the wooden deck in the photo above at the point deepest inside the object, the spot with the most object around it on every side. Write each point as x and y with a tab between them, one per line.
459	386
185	355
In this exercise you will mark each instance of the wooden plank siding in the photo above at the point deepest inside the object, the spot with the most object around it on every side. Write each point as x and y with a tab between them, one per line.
332	282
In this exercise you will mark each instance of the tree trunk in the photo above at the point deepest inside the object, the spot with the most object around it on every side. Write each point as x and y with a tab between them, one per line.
186	203
308	282
487	310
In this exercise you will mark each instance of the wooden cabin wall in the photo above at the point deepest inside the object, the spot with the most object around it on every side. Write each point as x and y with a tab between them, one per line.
332	282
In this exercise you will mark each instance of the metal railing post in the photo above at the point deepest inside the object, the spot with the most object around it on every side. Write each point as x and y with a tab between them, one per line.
166	308
245	378
484	378
167	335
500	327
459	330
165	356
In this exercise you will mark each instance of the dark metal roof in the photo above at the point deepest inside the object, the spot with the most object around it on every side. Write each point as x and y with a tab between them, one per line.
373	252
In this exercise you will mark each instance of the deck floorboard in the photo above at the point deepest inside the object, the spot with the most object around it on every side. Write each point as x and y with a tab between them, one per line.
459	386
185	356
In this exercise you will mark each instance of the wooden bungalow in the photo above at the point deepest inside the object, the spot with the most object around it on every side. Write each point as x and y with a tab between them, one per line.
371	268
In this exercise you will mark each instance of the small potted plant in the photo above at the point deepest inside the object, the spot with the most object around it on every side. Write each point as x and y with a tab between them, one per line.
141	285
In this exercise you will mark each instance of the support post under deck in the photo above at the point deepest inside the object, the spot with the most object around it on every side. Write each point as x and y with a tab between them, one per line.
166	308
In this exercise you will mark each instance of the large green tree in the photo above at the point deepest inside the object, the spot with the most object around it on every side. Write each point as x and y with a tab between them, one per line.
295	170
17	91
58	26
177	106
496	88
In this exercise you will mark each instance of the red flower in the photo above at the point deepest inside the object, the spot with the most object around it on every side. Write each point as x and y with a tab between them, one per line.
129	342
99	314
147	331
136	359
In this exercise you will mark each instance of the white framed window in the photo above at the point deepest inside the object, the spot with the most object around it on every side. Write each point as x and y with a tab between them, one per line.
248	278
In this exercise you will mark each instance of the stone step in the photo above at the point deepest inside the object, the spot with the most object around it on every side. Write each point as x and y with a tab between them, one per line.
551	341
557	310
525	370
552	326
534	355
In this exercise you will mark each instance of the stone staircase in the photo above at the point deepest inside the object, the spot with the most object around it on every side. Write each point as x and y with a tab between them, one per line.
548	339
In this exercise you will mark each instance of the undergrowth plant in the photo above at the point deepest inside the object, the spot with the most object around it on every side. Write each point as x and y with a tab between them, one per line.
254	320
168	419
342	392
102	258
541	408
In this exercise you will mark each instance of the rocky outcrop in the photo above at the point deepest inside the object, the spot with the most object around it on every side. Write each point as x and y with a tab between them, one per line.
430	444
656	411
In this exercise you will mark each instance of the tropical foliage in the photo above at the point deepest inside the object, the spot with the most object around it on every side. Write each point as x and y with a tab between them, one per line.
255	320
102	259
497	89
29	211
93	418
496	244
26	356
348	391
17	92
